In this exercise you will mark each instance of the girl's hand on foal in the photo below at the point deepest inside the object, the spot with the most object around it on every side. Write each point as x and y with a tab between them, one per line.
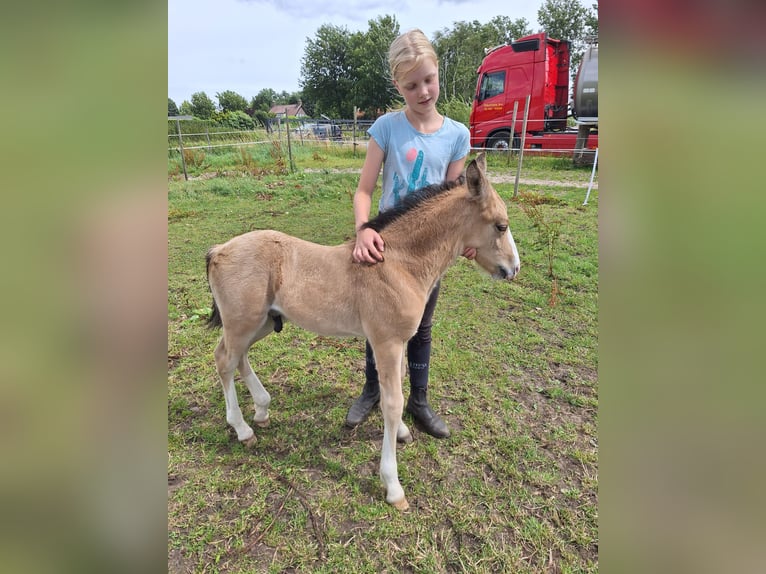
469	252
369	246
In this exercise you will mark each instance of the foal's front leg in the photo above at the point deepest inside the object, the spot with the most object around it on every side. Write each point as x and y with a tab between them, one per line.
389	362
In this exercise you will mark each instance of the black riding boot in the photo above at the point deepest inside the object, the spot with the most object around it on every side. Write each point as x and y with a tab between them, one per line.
426	419
363	405
370	396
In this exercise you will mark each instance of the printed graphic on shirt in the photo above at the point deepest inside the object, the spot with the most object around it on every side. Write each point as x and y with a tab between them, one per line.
415	180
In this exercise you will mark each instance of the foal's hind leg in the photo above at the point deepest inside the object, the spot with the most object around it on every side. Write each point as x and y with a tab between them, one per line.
261	397
231	352
226	360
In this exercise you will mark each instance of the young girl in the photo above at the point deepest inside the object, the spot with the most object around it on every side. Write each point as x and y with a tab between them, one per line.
416	147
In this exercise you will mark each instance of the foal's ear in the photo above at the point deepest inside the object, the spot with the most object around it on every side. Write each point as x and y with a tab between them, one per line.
474	175
481	161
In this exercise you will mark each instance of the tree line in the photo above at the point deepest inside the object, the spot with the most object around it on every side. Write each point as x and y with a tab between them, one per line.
343	70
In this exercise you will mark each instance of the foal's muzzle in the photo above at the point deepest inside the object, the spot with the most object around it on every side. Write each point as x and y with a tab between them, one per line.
507	272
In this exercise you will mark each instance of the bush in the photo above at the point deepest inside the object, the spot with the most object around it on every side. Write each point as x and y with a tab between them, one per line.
189	126
236	120
455	109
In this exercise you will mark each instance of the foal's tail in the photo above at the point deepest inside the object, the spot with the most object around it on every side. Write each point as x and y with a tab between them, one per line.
214	321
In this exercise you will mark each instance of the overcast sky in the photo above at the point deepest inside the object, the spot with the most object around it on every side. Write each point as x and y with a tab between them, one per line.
249	45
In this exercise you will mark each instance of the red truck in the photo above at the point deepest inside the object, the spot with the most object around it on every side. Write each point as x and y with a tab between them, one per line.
538	66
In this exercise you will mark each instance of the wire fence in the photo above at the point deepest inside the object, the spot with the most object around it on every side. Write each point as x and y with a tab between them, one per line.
307	132
290	131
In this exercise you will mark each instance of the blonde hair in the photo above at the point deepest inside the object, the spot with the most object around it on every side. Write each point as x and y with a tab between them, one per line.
408	51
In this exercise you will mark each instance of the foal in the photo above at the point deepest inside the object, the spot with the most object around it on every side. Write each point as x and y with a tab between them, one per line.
262	278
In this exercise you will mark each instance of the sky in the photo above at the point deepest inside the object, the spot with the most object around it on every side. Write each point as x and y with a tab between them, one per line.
249	45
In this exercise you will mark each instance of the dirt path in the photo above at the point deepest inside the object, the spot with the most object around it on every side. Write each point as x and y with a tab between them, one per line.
510	178
496	177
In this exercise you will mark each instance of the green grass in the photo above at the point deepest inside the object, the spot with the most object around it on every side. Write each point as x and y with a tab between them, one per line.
514	489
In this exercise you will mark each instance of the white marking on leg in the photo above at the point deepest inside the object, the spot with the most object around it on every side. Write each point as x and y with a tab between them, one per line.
388	469
403	434
225	364
261	398
391	404
233	412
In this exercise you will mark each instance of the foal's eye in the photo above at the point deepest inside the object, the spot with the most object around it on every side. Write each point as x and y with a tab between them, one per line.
501	228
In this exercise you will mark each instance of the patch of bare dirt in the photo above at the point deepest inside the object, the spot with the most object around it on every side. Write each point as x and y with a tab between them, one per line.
495	177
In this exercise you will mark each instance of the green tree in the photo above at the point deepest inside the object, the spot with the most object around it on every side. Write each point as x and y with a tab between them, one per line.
591	21
461	50
326	71
202	106
373	90
285	97
186	108
263	100
569	20
172	108
562	19
264	118
230	101
340	70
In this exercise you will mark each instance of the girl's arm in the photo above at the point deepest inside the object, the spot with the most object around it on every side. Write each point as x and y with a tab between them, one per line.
369	244
453	172
455	169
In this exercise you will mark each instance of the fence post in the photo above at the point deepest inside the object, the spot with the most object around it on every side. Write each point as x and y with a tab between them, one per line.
521	150
289	144
592	175
181	146
513	130
353	137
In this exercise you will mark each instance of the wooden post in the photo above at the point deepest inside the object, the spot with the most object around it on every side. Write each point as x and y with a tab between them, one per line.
181	146
521	150
513	130
289	144
353	137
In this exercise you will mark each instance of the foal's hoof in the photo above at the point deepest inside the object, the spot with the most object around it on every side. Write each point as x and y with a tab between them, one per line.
263	424
401	505
249	443
405	439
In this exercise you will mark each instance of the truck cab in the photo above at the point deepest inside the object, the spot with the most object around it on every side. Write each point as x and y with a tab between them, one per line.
534	65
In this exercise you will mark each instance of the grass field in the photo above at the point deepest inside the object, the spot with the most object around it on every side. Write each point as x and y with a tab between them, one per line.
514	373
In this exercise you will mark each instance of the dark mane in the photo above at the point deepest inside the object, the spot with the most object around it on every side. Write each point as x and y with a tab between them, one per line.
410	202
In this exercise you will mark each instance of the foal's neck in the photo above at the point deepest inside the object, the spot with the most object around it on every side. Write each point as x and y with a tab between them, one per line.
431	239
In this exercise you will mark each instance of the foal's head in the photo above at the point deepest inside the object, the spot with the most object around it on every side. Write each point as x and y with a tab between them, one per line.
490	234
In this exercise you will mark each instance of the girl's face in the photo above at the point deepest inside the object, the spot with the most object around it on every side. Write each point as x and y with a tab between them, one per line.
420	87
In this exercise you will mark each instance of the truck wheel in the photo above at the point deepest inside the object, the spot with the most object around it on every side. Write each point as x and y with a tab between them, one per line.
499	141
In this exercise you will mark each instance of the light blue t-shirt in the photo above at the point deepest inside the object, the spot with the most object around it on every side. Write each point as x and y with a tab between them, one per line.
411	159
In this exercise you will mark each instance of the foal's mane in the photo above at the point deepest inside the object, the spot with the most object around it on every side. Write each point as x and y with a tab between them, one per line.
411	202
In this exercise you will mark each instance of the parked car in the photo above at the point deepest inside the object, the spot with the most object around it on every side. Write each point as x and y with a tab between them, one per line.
327	131
305	129
322	131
